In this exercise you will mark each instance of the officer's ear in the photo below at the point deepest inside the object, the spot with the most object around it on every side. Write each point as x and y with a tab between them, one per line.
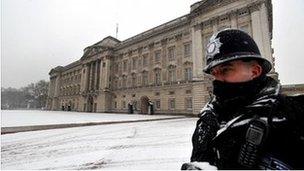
256	70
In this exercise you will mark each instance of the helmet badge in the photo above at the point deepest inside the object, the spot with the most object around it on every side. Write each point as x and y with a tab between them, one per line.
213	47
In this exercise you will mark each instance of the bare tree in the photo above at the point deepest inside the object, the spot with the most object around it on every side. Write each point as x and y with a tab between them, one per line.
31	96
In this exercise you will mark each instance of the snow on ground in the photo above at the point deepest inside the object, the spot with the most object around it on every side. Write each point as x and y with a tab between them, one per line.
11	118
143	145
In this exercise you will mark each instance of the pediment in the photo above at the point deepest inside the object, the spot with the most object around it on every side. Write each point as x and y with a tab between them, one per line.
107	43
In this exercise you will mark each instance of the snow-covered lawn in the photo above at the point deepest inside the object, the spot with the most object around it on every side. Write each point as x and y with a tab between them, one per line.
11	118
144	145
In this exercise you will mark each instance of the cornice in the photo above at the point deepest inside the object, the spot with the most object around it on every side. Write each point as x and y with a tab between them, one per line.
211	5
153	87
181	21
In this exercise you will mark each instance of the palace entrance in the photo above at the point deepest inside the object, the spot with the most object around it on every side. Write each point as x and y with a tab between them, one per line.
90	104
144	101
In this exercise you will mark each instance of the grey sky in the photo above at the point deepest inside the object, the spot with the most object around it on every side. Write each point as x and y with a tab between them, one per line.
38	35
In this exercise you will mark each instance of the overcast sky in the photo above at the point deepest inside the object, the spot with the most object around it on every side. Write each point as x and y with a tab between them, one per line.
38	35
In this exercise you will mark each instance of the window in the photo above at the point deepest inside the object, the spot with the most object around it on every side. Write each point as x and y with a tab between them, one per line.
188	103
133	80
187	50
139	81
120	67
145	60
123	104
171	92
188	74
171	53
116	68
134	63
172	75
115	105
145	78
171	104
124	81
125	65
130	64
157	77
115	85
157	104
157	56
119	83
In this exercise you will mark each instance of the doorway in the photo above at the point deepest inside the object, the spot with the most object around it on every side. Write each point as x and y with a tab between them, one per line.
144	101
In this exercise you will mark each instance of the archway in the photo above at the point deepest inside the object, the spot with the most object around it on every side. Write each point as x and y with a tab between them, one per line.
144	101
90	104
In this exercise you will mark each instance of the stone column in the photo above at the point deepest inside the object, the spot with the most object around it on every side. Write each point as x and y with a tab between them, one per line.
88	77
233	20
57	86
260	30
179	55
197	52
91	75
256	27
107	73
101	86
164	60
96	75
214	25
51	85
151	62
265	32
84	78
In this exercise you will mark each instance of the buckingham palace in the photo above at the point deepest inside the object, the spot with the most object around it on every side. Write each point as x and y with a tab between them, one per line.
161	66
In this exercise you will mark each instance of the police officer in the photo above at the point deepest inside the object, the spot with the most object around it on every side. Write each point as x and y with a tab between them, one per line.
248	124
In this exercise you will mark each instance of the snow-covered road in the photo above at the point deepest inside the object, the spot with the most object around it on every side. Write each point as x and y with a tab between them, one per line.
11	118
145	145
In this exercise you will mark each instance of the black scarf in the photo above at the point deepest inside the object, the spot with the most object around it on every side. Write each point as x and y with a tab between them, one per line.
231	96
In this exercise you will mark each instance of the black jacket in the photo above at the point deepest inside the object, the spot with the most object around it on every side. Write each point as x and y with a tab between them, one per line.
284	142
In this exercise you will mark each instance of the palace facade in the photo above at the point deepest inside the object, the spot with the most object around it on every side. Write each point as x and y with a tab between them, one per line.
162	65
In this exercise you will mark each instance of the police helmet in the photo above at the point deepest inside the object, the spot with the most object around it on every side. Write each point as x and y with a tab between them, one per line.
233	44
